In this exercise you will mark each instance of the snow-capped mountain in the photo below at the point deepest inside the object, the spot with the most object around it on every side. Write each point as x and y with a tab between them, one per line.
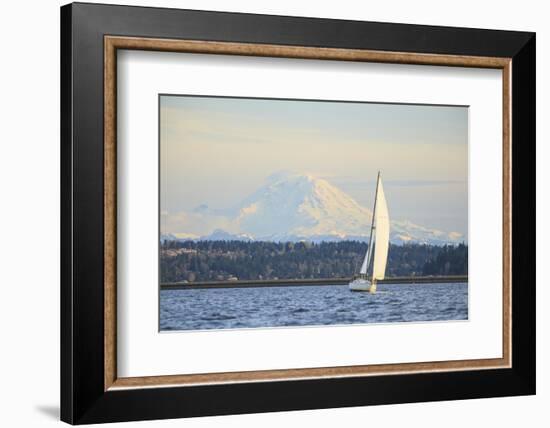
222	235
294	207
301	206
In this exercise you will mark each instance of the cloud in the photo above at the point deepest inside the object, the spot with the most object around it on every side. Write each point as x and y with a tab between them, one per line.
198	224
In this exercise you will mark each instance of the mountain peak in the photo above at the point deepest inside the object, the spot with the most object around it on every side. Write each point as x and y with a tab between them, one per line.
301	205
293	206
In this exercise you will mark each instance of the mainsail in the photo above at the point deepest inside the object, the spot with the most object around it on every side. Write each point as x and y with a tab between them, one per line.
380	236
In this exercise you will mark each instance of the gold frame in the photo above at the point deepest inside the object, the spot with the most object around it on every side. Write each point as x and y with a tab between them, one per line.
112	43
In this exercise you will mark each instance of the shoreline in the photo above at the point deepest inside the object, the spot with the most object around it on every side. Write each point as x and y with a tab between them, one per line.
308	282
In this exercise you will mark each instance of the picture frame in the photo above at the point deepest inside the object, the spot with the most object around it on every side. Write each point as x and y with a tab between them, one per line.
91	390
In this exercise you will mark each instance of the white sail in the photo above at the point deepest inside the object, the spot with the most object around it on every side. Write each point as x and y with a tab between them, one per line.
381	234
377	253
365	264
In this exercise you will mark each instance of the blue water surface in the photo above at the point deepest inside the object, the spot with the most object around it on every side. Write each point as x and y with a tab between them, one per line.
310	305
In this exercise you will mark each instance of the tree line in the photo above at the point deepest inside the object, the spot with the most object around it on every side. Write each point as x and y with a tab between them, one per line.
239	260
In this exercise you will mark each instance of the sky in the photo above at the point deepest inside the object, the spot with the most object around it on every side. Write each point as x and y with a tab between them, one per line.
217	151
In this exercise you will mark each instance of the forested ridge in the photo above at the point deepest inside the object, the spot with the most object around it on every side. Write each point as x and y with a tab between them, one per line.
193	261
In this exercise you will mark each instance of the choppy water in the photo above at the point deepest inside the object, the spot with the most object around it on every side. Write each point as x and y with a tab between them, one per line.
310	305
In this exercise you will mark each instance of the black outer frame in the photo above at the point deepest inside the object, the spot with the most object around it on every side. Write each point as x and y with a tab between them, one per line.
83	399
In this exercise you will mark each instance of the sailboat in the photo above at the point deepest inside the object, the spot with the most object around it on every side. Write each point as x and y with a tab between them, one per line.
374	264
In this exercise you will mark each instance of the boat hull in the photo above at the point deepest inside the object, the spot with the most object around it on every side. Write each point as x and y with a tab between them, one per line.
360	284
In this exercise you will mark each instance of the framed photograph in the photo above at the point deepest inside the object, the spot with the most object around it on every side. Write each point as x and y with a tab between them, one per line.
265	213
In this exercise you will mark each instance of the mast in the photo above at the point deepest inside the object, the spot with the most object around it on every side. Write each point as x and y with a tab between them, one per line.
369	253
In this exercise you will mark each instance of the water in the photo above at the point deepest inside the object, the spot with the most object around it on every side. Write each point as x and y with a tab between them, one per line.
310	305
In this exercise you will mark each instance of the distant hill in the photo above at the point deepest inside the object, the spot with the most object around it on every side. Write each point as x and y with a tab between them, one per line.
229	260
